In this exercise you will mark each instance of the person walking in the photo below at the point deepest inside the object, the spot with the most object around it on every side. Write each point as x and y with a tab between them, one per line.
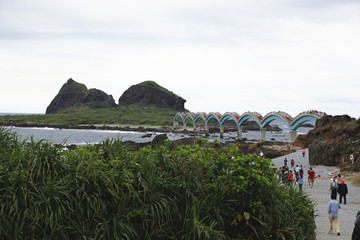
292	162
300	180
333	187
303	151
296	170
301	168
311	177
285	175
290	178
285	162
342	190
333	208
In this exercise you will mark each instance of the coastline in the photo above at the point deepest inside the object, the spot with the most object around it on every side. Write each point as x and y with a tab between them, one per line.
129	127
185	136
118	127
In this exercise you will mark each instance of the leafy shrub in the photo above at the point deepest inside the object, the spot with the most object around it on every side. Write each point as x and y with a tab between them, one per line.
108	191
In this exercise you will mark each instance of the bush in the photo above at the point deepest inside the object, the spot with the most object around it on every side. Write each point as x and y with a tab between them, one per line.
108	191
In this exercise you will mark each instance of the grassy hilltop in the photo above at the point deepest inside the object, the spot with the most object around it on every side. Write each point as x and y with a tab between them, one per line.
130	115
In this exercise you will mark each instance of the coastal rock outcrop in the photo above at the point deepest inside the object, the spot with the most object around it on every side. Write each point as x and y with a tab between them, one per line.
74	94
150	93
333	140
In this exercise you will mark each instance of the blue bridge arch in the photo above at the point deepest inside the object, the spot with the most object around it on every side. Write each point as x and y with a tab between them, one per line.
263	122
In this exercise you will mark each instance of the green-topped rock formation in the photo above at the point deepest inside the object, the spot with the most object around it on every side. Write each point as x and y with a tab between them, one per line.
149	93
76	95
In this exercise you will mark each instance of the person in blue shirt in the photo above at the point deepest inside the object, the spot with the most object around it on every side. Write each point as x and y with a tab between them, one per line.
333	207
301	179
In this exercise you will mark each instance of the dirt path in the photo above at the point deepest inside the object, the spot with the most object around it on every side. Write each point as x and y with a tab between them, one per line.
321	196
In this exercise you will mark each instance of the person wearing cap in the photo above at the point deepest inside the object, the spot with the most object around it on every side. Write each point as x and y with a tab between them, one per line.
342	190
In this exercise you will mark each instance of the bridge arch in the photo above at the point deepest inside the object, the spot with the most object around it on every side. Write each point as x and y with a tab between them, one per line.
250	115
284	117
300	121
263	122
179	116
303	117
229	115
200	115
190	115
213	115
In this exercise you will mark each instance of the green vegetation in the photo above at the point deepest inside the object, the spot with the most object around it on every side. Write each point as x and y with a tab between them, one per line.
355	180
155	85
74	87
132	115
108	191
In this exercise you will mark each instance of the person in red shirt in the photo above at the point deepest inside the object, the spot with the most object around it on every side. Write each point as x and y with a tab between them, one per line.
290	177
311	175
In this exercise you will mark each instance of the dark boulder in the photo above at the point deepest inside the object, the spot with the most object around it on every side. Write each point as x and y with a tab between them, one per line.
159	140
151	94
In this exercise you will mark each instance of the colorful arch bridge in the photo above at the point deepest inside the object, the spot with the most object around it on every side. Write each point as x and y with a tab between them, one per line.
262	121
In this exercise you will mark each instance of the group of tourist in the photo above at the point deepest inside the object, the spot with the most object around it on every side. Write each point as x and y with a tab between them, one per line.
287	175
337	186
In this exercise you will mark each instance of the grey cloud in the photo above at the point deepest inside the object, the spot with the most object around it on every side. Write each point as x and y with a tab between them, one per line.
224	23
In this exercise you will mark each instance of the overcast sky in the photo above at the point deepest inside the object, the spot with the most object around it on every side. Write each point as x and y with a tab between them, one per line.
224	55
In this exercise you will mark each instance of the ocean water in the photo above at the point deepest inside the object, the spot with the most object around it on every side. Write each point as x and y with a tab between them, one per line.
89	136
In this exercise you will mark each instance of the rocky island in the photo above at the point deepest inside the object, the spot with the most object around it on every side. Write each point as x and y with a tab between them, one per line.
149	93
73	94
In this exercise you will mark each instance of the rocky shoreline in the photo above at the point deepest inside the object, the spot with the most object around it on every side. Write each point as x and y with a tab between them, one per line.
270	149
117	127
135	128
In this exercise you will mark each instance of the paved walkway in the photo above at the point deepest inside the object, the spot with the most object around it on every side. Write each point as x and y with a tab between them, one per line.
321	196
